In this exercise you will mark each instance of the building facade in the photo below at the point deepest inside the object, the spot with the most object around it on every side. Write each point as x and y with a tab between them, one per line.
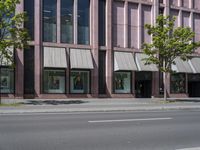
92	48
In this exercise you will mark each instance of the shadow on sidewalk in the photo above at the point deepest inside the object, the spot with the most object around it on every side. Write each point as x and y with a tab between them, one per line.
53	102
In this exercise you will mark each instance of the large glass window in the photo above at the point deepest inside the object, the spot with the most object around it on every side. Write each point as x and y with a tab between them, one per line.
178	83
102	22
6	80
54	81
49	20
67	21
80	81
122	82
29	8
83	21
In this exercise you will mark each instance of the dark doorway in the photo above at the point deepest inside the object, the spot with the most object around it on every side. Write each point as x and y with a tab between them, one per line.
29	71
143	84
194	85
102	72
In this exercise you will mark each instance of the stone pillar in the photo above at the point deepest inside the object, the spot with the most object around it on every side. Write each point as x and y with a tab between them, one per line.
58	21
126	24
109	53
95	47
140	26
19	59
38	47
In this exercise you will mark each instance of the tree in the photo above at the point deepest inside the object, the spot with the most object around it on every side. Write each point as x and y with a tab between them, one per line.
168	43
12	33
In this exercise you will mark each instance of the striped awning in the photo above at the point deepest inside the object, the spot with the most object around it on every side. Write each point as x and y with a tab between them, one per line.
181	66
81	59
55	57
195	64
124	61
139	58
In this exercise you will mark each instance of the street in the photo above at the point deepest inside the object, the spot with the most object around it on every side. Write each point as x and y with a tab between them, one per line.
137	130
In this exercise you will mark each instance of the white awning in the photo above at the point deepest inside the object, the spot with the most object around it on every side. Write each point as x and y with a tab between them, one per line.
195	64
124	61
141	63
181	66
81	59
55	57
4	61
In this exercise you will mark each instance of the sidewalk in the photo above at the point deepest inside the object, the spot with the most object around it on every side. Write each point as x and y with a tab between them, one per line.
96	105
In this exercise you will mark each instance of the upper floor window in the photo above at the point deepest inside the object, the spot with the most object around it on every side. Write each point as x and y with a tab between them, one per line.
102	22
67	21
83	14
49	20
29	8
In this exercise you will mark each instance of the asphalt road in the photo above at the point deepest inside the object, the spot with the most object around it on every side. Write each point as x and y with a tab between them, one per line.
161	130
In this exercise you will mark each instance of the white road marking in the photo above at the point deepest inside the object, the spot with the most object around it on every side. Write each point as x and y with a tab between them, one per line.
129	120
193	148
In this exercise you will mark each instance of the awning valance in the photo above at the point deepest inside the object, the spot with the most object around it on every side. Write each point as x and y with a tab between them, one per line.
124	61
182	66
55	57
81	59
141	63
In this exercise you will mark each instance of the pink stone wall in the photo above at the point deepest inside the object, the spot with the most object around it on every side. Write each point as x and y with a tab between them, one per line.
197	28
185	3
133	25
118	24
197	4
146	19
186	19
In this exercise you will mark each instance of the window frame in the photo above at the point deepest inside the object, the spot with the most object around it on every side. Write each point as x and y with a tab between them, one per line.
131	85
89	80
54	69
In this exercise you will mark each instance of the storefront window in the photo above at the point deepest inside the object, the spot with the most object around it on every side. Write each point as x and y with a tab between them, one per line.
7	80
178	83
122	82
54	81
80	82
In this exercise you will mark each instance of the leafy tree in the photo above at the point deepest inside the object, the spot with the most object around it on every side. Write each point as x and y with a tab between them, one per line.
12	33
168	43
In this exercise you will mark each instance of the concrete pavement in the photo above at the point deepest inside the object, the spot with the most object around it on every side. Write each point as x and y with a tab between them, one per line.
96	105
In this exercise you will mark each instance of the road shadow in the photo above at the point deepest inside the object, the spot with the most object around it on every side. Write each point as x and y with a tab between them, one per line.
53	102
185	100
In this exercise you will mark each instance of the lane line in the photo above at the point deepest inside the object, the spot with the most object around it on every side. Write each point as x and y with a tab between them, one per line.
193	148
129	120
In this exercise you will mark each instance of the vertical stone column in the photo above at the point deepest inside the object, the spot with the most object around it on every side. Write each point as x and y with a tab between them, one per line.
155	75
167	8
38	47
140	26
19	59
95	47
109	53
75	21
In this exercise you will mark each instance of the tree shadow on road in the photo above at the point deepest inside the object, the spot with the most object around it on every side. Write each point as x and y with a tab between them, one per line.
53	102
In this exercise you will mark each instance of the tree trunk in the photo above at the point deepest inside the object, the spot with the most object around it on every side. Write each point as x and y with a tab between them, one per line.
165	85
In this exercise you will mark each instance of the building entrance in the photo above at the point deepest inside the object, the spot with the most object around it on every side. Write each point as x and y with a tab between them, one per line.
194	85
143	84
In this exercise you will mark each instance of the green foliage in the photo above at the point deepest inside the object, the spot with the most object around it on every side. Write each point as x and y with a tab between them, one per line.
168	42
12	33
